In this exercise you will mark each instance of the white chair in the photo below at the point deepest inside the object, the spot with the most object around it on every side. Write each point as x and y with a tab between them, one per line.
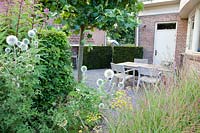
148	75
145	61
120	73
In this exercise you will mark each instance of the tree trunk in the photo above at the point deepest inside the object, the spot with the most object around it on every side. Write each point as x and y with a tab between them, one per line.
80	54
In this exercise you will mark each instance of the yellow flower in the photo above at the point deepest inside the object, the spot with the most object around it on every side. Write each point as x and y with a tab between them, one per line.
80	131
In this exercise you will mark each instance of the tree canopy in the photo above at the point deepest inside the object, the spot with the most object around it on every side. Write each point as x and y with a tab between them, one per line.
81	15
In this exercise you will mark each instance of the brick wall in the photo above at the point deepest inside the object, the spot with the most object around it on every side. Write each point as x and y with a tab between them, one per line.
181	40
147	30
191	63
98	38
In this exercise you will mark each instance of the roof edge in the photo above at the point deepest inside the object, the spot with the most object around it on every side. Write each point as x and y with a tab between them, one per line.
160	3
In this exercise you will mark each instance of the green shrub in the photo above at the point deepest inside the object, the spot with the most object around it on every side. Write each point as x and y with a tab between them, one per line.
19	72
123	54
97	57
57	77
83	109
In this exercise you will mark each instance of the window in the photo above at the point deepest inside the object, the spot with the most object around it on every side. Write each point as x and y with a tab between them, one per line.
165	26
192	34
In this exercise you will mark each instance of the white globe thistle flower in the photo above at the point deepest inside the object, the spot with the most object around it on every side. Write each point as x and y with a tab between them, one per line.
101	106
31	33
37	56
11	40
35	43
121	85
83	69
109	74
7	50
30	67
19	44
26	41
24	47
100	82
35	30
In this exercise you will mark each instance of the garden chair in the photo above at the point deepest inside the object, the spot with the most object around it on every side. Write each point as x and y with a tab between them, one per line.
121	73
149	75
145	61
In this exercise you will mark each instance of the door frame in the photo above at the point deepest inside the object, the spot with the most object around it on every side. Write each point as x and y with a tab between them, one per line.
156	26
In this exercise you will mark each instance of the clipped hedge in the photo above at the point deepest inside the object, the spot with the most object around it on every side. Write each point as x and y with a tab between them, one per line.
97	57
101	56
57	77
123	54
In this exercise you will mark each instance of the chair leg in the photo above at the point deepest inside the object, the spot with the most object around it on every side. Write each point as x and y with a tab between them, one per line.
138	83
110	82
133	78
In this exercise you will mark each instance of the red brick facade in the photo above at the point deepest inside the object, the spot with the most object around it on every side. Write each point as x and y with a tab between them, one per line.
191	63
147	32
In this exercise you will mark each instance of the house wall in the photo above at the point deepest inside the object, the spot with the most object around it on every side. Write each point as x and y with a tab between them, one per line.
147	32
98	38
163	9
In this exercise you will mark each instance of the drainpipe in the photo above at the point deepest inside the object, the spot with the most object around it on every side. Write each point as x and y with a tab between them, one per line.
137	34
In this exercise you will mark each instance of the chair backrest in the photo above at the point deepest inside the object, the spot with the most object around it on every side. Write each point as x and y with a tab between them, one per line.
117	68
145	61
152	72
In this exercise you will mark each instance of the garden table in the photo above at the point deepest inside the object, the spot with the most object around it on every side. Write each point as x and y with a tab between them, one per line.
167	73
136	66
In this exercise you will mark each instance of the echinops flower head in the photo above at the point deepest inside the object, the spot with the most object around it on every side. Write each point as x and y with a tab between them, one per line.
121	85
100	82
26	41
11	40
109	73
37	56
35	43
7	50
101	106
31	33
35	30
19	44
24	47
83	69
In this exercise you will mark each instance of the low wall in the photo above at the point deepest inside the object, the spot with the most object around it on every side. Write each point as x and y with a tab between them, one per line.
191	62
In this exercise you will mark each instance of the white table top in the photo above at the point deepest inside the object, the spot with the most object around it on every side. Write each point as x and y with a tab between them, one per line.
137	65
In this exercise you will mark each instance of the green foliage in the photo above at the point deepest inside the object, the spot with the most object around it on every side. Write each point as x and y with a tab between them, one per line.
57	77
19	72
83	109
122	36
19	17
97	57
123	54
101	14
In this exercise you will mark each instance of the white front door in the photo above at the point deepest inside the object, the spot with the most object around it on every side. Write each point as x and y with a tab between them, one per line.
164	43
